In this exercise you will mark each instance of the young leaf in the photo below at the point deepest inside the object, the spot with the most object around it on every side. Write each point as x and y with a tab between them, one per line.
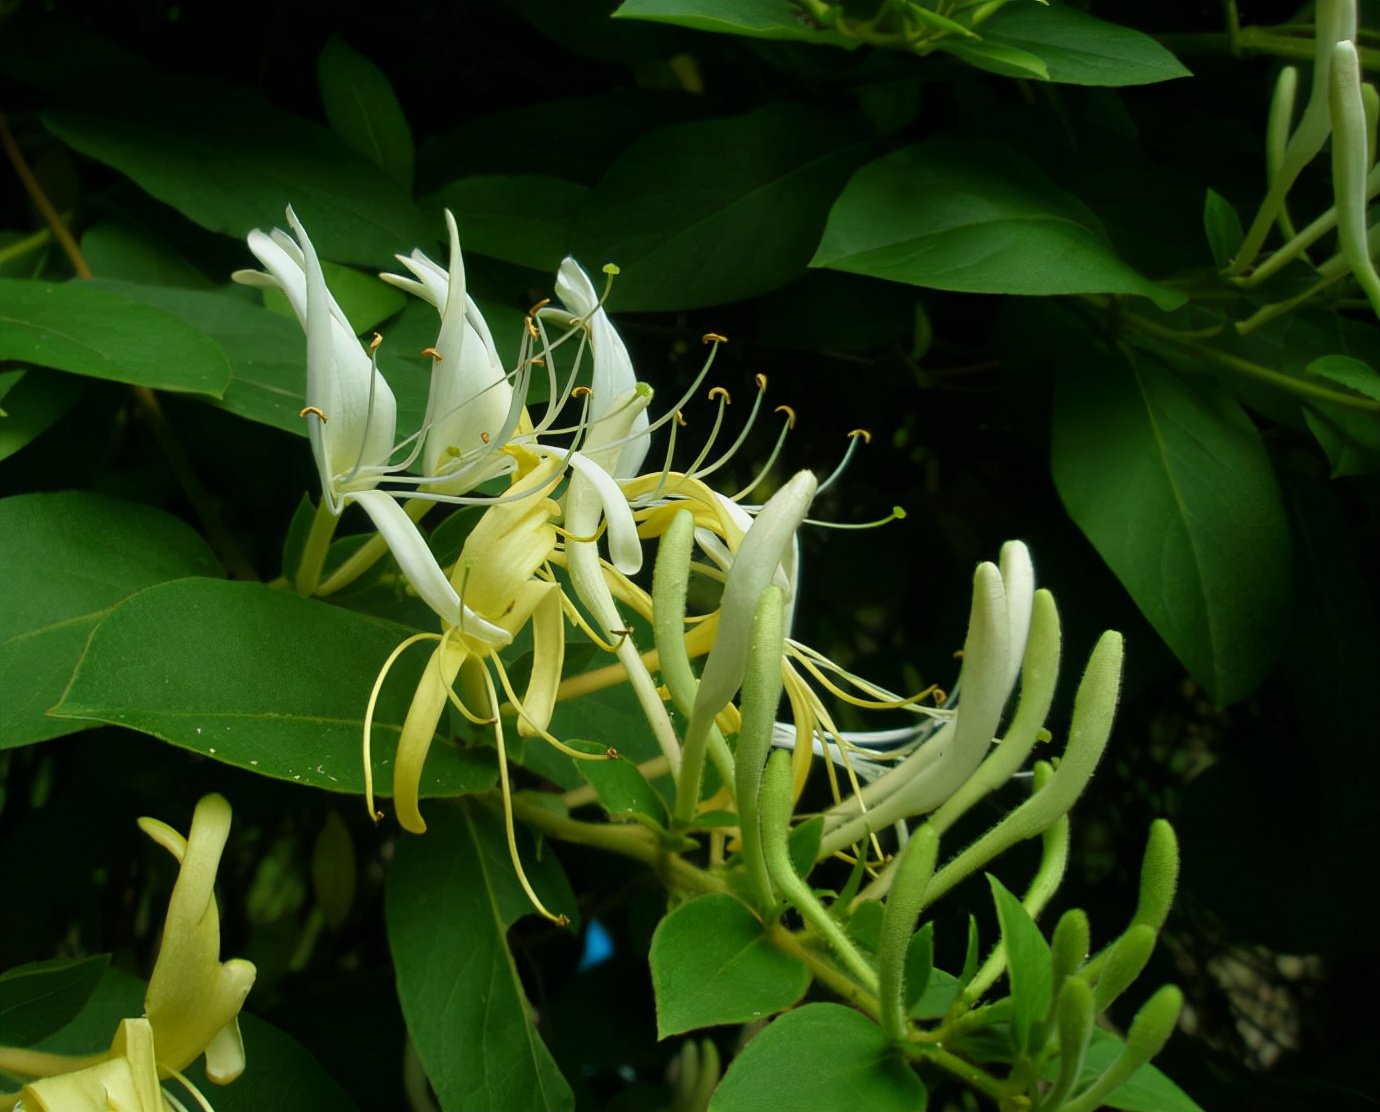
451	897
820	1056
364	111
1223	228
754	19
622	790
1349	372
712	964
1029	966
919	965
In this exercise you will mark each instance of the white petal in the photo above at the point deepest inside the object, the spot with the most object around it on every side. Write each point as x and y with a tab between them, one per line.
411	551
625	548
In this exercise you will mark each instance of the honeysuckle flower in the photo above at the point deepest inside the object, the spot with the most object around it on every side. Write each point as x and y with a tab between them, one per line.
191	1007
351	412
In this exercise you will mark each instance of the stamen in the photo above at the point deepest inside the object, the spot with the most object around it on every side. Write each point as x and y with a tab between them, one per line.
765	469
435	355
720	392
868	704
313	410
940	696
611	753
790	415
544	734
374	343
866	436
897	514
483	437
531	328
853	438
374	813
539	306
713	338
761	381
743	433
680	418
582	392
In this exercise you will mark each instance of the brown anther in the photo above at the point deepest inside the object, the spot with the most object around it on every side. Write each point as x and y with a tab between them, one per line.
720	392
940	697
562	920
484	437
611	753
761	381
866	436
789	412
436	355
537	361
713	338
582	392
378	816
531	328
542	304
312	409
680	419
374	343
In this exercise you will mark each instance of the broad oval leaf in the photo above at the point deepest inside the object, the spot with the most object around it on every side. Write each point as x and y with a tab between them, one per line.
43	996
263	679
1075	47
231	162
33	399
820	1056
952	215
78	327
712	964
69	558
1174	488
519	218
364	111
622	790
452	895
715	211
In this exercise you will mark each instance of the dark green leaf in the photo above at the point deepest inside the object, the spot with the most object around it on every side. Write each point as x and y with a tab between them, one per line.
1350	438
953	215
68	559
262	679
1030	967
1079	49
970	956
77	327
1173	487
622	791
38	998
452	895
32	400
939	996
804	844
364	111
1223	228
820	1056
118	250
1351	373
995	57
519	218
704	213
779	20
712	964
231	162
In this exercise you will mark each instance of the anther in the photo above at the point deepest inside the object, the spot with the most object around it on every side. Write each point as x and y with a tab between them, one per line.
374	343
531	328
866	436
378	816
436	355
940	696
761	381
562	920
611	753
484	437
312	409
542	304
789	412
720	392
582	392
713	338
680	419
537	361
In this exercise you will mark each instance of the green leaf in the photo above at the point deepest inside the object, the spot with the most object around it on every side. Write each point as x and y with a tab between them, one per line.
364	111
118	249
231	162
1349	372
712	964
943	990
32	401
1079	49
970	956
1174	488
262	679
1148	1089
719	210
78	327
39	998
622	791
919	966
519	218
820	1056
1223	228
994	57
953	215
451	897
267	354
1350	438
279	1073
1030	967
68	559
778	20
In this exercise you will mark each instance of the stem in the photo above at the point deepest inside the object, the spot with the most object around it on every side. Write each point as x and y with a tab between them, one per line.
314	552
1246	367
899	914
825	972
966	1071
40	200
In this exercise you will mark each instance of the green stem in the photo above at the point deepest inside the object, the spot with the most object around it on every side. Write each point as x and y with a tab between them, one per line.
315	550
1246	367
979	1079
899	914
824	971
